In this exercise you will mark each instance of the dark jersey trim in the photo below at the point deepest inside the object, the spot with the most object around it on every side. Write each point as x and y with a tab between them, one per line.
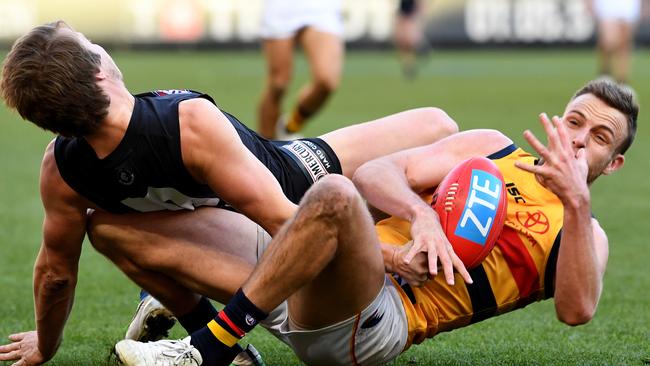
484	304
551	265
503	152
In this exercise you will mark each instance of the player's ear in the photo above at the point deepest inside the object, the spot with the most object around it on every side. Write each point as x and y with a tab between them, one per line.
615	164
101	75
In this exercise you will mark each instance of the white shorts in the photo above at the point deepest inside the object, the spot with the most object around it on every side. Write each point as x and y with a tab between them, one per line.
375	336
282	19
626	10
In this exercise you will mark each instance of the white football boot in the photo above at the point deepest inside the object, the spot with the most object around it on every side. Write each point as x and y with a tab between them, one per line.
151	322
281	132
160	353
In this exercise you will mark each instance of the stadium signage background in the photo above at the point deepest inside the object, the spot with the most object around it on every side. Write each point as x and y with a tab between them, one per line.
367	22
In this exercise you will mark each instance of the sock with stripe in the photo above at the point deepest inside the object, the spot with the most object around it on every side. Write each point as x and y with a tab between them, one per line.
296	120
198	317
217	342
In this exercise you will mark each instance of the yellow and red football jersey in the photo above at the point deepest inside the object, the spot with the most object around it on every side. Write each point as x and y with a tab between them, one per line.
519	270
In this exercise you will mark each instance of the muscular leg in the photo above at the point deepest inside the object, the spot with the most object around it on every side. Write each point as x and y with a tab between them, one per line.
327	260
174	255
357	144
324	52
279	64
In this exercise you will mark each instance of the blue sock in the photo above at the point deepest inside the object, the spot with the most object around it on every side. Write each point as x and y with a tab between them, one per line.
143	294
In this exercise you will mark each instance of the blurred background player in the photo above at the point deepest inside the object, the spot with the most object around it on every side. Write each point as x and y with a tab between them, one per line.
317	26
409	38
617	20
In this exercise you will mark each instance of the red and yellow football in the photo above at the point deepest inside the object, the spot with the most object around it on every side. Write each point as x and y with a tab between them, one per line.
471	202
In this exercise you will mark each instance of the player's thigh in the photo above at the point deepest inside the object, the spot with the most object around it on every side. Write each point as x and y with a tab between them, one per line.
324	52
209	251
359	143
279	60
608	33
154	233
355	275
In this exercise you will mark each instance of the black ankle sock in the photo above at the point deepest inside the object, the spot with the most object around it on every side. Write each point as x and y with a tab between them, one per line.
198	317
212	351
242	312
217	342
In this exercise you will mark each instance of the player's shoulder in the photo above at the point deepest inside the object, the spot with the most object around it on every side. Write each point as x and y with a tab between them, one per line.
48	164
51	182
197	111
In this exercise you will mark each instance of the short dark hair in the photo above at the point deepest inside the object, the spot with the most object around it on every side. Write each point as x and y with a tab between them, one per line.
619	97
49	78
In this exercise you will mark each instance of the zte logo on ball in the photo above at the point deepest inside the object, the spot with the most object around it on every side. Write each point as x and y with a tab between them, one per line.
480	208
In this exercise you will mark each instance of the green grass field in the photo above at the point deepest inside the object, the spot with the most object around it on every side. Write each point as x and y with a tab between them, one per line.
496	89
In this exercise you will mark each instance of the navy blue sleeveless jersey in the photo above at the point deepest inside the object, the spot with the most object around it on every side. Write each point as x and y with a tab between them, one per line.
146	171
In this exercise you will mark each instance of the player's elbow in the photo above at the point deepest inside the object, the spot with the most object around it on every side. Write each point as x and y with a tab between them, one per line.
437	123
576	314
366	174
52	281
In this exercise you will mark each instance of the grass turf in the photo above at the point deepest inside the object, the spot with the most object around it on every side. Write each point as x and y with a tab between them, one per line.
480	89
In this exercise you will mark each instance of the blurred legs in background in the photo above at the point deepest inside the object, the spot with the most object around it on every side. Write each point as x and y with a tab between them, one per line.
316	25
617	20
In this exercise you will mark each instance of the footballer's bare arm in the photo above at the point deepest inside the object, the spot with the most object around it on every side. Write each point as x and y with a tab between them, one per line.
214	154
583	247
393	184
55	270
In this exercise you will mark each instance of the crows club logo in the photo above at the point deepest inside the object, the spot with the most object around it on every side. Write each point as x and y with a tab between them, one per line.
536	222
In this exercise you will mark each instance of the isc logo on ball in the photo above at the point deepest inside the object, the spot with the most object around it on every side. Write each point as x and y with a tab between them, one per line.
480	208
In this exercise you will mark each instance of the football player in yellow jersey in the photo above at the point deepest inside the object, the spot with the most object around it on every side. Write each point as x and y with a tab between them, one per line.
322	286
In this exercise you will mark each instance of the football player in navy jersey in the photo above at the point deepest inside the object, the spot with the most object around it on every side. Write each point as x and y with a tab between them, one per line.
123	155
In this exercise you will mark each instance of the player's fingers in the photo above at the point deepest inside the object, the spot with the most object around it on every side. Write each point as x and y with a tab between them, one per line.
562	134
17	336
9	356
460	267
413	251
447	267
9	347
527	167
432	256
551	132
537	145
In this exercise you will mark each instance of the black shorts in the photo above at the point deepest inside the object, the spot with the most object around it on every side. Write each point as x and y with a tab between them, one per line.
306	161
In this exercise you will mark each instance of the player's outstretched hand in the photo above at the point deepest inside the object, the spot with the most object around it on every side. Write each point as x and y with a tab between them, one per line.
428	237
23	349
564	169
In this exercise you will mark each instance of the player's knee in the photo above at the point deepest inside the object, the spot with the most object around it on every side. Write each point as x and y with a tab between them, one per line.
436	121
102	235
334	195
326	84
278	86
98	235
